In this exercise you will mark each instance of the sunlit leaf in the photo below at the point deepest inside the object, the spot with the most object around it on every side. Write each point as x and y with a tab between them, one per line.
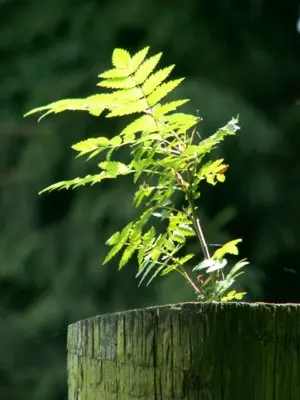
121	58
228	248
146	68
162	147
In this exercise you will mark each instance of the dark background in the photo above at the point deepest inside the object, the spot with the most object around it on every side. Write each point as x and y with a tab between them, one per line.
239	57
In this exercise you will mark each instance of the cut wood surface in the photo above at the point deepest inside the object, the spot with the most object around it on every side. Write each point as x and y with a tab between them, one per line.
205	351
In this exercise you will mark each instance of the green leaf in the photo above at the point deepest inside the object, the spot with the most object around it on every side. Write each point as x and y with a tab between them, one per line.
157	246
73	183
91	144
181	121
114	168
160	269
170	268
232	126
94	104
185	259
211	180
111	170
95	111
177	236
144	191
217	264
121	58
233	295
156	79
126	96
145	123
140	256
164	214
129	138
236	269
213	171
221	178
221	287
228	248
144	218
137	59
160	110
149	138
129	108
149	237
59	106
128	253
170	245
229	296
124	234
109	153
162	146
162	91
240	295
185	230
193	150
115	73
145	271
118	83
155	253
115	141
146	68
180	224
229	129
113	239
210	265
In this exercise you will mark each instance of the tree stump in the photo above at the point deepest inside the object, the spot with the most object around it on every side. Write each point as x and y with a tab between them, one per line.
204	351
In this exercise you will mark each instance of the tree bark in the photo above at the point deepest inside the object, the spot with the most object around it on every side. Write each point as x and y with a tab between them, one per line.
201	351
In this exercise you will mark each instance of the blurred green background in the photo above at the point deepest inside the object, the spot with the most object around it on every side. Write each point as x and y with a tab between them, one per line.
240	57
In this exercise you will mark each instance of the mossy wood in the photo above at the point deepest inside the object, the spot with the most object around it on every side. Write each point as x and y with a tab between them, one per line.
205	351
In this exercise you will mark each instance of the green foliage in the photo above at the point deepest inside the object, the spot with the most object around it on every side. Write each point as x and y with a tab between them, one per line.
228	248
42	254
167	159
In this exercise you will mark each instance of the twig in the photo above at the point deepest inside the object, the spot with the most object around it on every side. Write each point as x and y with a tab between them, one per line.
191	282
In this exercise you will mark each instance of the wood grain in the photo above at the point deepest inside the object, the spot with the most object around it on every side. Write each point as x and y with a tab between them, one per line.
204	351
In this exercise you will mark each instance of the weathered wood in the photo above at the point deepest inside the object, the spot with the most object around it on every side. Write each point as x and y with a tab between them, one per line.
205	351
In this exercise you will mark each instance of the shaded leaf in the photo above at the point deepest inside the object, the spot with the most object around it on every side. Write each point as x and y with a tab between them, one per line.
124	234
128	253
210	265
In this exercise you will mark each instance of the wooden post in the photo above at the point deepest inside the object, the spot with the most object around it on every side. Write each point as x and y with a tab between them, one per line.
195	351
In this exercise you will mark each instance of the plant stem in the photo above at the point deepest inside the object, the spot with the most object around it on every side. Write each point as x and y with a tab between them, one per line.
201	236
197	290
196	223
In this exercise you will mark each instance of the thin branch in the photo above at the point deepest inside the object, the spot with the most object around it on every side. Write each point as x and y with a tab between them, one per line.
197	225
197	290
201	237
